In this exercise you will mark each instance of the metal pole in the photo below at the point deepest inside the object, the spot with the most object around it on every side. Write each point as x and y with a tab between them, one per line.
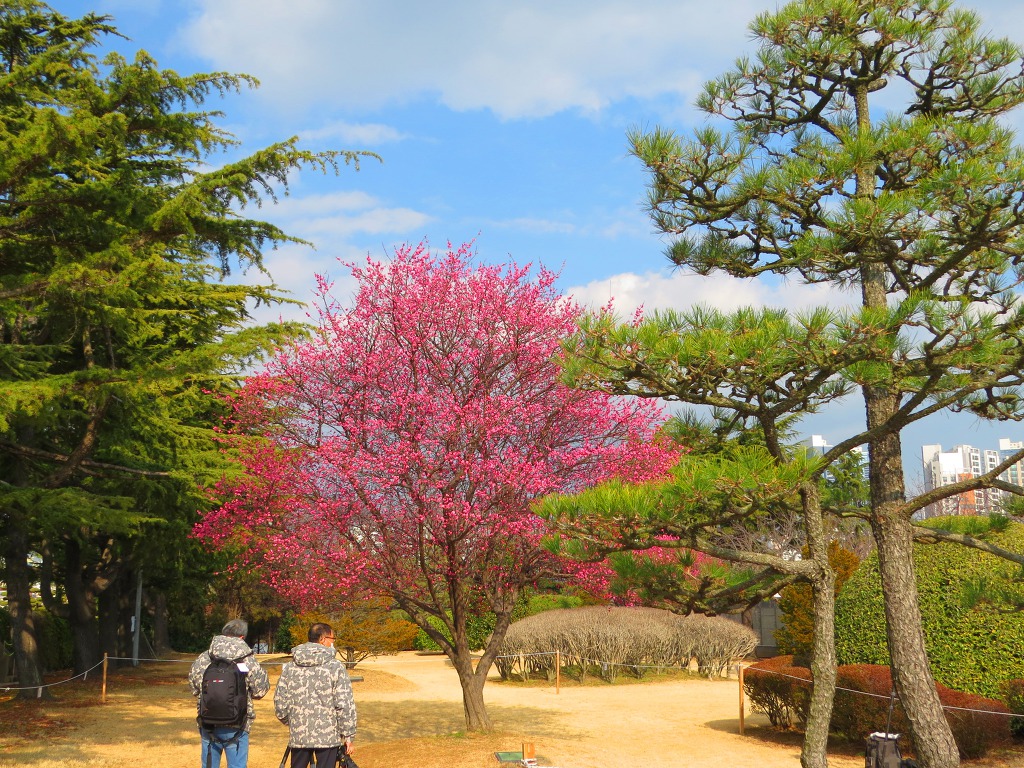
558	671
138	621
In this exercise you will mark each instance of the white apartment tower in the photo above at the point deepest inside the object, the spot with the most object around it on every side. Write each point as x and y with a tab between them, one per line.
942	468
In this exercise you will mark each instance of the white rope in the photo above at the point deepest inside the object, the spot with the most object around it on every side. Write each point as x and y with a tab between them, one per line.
881	695
39	694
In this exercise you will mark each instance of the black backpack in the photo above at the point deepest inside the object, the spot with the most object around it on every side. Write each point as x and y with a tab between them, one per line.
224	696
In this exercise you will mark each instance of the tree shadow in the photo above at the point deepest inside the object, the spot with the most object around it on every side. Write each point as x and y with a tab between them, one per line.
393	720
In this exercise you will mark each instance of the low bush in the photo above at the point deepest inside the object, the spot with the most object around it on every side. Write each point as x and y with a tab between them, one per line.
861	704
366	628
779	690
607	641
56	642
478	629
1013	697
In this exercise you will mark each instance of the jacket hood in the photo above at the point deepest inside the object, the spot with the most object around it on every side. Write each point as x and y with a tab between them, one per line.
231	648
312	654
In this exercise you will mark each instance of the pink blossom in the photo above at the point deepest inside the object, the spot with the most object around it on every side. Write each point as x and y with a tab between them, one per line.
403	443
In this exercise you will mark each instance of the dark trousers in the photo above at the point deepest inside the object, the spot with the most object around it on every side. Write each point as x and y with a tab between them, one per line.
322	758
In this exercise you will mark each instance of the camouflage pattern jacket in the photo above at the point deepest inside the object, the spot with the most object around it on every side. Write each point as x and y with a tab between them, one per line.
232	648
314	698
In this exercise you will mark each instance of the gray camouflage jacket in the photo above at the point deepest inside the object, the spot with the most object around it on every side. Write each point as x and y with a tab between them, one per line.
224	647
314	698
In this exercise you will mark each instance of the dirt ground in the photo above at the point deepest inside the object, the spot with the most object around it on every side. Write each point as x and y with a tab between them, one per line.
410	714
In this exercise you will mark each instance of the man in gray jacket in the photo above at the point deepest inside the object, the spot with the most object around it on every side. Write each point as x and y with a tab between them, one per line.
314	699
231	646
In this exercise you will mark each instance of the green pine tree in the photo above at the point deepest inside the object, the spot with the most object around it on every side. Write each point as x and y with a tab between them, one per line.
117	229
862	147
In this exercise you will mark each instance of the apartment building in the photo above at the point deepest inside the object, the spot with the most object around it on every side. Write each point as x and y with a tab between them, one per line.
963	462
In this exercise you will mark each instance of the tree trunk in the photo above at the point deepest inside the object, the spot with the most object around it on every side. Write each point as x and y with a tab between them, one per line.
18	578
930	732
81	610
161	625
912	675
472	683
814	753
823	672
109	620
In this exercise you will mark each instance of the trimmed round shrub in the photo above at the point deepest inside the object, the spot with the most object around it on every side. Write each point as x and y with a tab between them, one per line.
971	649
606	641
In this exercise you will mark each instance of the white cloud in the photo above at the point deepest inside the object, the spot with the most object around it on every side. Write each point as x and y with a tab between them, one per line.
361	135
375	222
679	290
529	58
344	213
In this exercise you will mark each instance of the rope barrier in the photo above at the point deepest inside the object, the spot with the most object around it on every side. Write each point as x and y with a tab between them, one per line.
83	675
881	695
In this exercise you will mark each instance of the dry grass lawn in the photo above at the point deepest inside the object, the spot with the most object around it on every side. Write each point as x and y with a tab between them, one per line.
410	714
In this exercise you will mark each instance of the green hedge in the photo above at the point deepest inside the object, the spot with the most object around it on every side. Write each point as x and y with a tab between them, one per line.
56	643
478	629
5	631
971	649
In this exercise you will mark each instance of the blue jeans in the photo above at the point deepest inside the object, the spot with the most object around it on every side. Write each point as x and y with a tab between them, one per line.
237	753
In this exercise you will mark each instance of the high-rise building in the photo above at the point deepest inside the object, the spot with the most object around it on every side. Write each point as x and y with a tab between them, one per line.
963	462
818	446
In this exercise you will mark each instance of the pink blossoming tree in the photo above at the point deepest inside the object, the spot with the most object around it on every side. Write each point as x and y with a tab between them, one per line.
408	438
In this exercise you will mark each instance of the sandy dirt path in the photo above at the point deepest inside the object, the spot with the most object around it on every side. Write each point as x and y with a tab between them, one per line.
690	722
410	714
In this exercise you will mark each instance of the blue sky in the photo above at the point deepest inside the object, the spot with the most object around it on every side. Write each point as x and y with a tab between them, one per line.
498	122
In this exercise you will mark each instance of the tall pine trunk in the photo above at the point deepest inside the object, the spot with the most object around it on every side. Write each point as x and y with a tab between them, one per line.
161	625
18	578
932	737
814	753
81	609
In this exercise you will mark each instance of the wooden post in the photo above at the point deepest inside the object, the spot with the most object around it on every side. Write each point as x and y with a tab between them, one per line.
103	691
558	671
529	752
740	666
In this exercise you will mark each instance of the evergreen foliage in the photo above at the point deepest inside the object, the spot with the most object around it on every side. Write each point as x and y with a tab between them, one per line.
796	635
863	146
120	200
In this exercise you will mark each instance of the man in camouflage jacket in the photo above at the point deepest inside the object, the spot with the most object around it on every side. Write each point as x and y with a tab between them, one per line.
230	645
314	699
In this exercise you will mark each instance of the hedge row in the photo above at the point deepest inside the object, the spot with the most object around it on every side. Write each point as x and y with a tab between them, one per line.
861	707
973	649
607	641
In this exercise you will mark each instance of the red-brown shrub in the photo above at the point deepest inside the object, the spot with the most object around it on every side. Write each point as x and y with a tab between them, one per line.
864	708
974	732
775	688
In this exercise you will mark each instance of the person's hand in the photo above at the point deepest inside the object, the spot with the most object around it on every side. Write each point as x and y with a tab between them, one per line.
348	746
